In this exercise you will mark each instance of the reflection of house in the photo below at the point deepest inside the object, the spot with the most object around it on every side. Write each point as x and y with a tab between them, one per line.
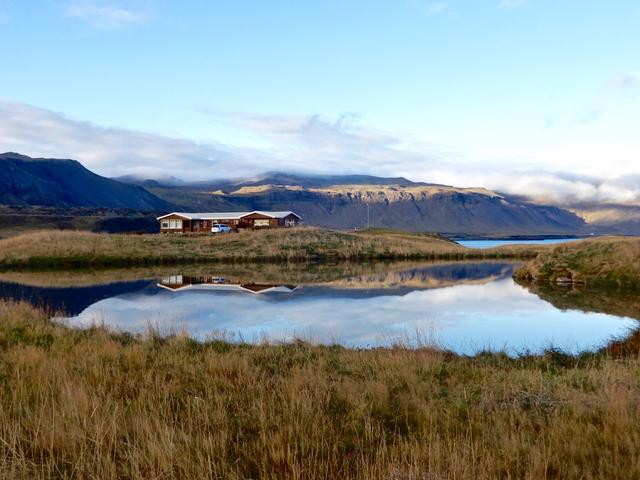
177	283
181	222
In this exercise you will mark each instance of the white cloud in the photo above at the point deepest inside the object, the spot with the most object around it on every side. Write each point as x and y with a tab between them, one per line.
551	187
625	82
297	144
511	4
112	151
436	8
105	15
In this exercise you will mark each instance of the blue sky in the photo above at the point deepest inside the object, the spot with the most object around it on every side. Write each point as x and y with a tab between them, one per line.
509	94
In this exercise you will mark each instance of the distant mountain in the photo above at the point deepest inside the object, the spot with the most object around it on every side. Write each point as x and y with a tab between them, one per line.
609	218
269	178
342	201
332	201
66	183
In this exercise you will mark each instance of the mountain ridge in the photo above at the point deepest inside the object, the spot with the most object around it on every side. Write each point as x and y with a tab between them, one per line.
67	183
329	201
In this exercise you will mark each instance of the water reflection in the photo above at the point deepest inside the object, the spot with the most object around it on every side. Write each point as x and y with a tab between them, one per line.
176	283
70	300
460	306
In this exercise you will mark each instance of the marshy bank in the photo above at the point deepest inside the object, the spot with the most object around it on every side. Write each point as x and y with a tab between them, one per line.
98	404
601	262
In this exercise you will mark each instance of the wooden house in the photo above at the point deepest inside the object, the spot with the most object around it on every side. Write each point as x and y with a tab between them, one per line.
183	222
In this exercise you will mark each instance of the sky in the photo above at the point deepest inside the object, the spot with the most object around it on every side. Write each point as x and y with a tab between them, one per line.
533	97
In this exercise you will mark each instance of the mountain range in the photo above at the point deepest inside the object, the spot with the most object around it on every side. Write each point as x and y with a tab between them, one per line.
333	201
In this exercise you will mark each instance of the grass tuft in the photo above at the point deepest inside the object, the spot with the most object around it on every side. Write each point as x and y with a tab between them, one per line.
97	404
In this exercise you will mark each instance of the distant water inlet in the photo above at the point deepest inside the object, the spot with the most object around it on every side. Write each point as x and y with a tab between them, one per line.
483	244
464	307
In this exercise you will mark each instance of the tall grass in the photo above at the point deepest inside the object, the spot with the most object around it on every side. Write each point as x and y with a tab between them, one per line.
81	249
611	261
96	404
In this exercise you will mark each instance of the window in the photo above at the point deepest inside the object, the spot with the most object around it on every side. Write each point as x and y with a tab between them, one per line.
171	224
261	222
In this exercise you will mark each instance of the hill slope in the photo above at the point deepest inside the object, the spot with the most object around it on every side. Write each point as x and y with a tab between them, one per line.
391	203
66	183
341	202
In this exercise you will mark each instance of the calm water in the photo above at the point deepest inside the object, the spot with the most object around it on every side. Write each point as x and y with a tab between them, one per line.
499	243
461	306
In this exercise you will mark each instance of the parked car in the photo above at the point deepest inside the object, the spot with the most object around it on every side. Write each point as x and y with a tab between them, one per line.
220	228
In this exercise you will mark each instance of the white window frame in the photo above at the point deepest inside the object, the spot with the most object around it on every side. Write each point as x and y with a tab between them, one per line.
172	224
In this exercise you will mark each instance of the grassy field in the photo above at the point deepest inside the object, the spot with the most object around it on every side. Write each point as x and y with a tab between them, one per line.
604	262
97	404
77	249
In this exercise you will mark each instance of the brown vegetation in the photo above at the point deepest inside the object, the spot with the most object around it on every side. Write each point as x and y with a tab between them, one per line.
96	404
77	249
609	261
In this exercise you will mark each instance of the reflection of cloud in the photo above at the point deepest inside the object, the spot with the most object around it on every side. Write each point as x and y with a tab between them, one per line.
106	15
466	317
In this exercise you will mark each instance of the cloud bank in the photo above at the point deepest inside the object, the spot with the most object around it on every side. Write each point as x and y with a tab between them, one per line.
105	15
625	82
310	144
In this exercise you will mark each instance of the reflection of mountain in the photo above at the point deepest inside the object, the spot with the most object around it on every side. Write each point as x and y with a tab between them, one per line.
623	303
70	301
74	299
430	276
177	283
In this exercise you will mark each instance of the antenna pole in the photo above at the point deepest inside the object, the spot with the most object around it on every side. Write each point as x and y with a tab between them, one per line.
368	218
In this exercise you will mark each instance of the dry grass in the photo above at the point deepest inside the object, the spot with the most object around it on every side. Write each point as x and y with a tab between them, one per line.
93	404
74	248
609	261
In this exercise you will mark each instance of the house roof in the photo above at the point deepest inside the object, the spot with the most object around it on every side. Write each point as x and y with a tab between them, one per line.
276	214
227	215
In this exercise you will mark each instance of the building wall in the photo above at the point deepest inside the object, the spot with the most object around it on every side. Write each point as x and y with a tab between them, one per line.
256	220
170	224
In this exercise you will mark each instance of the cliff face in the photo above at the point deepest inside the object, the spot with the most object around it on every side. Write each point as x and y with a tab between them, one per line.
417	207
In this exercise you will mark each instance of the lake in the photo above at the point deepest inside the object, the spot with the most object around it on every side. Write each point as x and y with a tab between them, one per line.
464	306
482	244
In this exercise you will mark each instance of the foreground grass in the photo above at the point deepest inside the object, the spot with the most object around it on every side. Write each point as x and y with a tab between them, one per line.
81	249
95	404
602	262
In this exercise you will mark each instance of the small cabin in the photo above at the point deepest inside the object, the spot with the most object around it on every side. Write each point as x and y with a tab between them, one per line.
183	222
